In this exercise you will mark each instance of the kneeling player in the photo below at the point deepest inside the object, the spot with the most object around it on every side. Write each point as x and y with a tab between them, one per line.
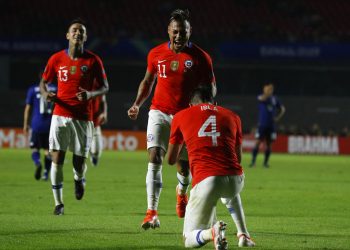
213	138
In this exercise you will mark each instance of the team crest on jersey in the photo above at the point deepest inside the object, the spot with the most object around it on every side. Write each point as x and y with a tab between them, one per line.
174	65
188	64
73	70
84	68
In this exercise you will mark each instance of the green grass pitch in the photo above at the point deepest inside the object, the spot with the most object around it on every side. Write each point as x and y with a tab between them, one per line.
301	202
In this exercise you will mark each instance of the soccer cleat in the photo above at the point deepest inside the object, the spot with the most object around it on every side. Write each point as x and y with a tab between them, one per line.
181	203
151	220
218	233
37	173
45	176
79	189
245	241
59	210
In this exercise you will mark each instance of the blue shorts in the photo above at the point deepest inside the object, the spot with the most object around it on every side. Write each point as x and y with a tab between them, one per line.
39	140
266	133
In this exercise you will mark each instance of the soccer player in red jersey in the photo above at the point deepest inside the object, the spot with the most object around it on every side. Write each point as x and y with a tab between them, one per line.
76	70
179	66
99	107
213	136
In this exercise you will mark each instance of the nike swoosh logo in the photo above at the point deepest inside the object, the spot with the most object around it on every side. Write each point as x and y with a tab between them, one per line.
161	61
62	67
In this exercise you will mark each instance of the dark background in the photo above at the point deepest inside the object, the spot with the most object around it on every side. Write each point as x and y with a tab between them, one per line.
301	46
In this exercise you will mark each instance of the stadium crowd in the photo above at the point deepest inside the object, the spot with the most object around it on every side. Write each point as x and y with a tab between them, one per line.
238	20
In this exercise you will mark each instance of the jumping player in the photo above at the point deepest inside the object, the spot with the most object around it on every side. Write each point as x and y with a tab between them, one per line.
76	70
99	106
270	111
39	112
213	136
179	66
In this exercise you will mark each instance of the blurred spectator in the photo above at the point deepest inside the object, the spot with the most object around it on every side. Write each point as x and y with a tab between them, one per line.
315	130
345	132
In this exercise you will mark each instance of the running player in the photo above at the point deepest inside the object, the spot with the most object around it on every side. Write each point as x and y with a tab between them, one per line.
179	66
99	106
214	144
39	112
76	70
270	111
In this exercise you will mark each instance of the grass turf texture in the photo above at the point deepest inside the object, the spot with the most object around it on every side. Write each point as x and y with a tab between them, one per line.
301	202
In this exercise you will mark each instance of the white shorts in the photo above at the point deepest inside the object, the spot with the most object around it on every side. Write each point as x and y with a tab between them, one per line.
97	142
201	208
158	131
66	132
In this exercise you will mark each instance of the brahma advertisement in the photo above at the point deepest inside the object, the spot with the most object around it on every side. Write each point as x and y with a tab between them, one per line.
122	140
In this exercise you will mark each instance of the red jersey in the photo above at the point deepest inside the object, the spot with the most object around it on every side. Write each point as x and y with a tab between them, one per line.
178	75
72	74
211	134
96	110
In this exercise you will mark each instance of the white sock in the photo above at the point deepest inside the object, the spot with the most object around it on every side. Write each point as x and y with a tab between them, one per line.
197	238
153	185
184	183
57	182
235	208
80	175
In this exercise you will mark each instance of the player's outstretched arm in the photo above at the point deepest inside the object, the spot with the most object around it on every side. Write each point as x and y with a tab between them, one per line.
145	89
214	89
173	153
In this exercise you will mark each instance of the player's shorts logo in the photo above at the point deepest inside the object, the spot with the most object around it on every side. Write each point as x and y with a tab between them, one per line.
174	65
188	64
84	68
150	137
73	70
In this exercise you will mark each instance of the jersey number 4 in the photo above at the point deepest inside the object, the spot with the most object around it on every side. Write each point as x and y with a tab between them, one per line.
213	133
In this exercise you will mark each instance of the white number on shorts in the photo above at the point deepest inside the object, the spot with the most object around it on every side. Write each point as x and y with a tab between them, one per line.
161	71
213	133
63	75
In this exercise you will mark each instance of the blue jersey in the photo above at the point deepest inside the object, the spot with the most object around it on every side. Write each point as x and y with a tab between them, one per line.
41	109
267	111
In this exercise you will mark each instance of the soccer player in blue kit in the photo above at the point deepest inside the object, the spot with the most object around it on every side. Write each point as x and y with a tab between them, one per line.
39	111
270	111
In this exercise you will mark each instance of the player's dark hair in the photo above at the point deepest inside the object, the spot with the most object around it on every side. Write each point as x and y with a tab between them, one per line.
77	20
267	84
203	93
180	15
